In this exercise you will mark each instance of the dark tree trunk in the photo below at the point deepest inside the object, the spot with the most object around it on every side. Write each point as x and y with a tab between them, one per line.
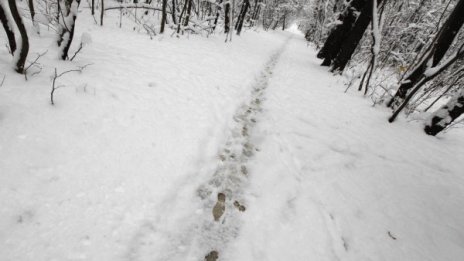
338	34
446	115
241	17
8	30
31	9
173	12
102	13
283	22
67	29
189	11
163	16
256	10
24	39
349	45
438	50
58	10
180	17
227	18
218	12
93	7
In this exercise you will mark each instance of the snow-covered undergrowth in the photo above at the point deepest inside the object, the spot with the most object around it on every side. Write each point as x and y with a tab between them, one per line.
112	171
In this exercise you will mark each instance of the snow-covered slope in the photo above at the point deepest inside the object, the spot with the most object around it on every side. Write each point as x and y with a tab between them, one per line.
128	163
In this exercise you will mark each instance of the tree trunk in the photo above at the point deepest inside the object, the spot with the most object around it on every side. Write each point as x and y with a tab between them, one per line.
21	60
102	13
283	22
443	117
93	7
180	17
173	12
438	50
189	11
276	23
8	29
349	45
218	12
67	26
163	16
241	17
227	18
32	11
340	32
256	10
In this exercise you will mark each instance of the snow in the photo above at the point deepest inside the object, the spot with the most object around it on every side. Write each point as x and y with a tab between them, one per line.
86	39
128	163
294	29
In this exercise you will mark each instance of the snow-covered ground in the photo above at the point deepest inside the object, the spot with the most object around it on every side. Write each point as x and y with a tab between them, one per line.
128	163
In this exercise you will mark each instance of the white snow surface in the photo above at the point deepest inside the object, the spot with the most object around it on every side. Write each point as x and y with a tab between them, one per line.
116	169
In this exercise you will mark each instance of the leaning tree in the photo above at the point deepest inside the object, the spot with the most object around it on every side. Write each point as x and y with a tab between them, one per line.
433	55
24	43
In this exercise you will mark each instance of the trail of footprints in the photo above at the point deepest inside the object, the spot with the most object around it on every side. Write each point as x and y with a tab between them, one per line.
222	195
226	185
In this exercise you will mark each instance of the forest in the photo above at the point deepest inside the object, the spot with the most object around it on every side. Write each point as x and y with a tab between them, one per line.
231	130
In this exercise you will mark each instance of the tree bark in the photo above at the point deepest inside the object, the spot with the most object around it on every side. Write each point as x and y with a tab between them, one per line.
340	32
241	17
102	12
218	12
447	114
284	22
66	31
32	11
173	13
8	29
438	50
163	16
256	10
349	45
24	49
227	18
189	11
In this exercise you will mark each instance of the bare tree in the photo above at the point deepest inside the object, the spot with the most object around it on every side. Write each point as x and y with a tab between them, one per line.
242	15
349	45
8	28
163	16
432	57
34	22
339	33
67	26
24	48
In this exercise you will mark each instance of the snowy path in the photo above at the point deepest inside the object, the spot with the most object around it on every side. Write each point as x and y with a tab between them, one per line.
208	232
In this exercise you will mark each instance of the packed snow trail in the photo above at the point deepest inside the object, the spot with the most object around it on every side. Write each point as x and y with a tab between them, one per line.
217	222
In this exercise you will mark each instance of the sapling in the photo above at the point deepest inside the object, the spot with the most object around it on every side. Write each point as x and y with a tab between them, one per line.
58	75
